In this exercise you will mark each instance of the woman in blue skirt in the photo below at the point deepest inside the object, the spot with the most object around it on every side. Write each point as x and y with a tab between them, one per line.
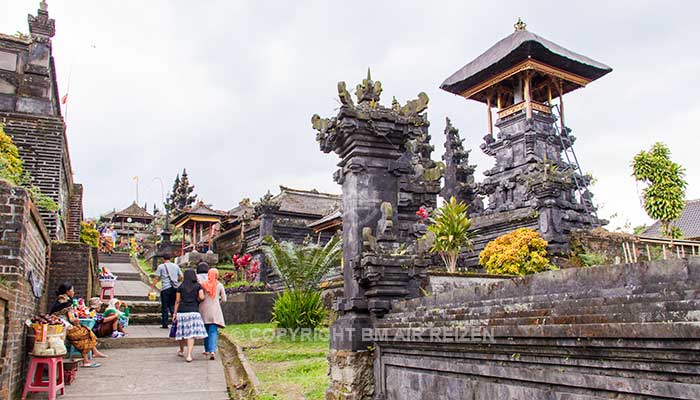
189	322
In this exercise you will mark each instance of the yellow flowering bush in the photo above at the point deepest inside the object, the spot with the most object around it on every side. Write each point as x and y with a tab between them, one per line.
521	252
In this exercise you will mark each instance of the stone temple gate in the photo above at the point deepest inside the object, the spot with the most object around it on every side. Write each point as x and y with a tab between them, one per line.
625	331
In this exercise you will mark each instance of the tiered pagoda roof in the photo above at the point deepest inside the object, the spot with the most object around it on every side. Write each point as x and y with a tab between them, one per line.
519	51
200	212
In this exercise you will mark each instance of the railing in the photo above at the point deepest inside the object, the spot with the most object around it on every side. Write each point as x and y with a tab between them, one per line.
510	110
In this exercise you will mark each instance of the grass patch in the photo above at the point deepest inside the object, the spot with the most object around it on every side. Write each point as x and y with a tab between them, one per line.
288	368
146	267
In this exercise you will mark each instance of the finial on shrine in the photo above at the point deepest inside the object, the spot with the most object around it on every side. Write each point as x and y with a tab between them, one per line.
41	27
520	25
368	91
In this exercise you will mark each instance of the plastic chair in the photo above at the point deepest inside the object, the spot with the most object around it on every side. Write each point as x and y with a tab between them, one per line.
35	383
104	291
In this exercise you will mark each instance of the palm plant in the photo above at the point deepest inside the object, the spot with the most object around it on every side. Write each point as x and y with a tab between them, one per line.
301	268
450	225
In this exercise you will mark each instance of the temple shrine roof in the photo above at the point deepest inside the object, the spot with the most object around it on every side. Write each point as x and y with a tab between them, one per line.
133	211
310	202
200	212
511	55
332	219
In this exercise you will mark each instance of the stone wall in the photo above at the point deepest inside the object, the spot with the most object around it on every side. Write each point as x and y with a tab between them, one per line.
31	113
247	308
74	263
75	214
625	331
24	248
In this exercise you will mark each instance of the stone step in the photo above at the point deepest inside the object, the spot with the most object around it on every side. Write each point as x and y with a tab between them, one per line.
675	301
145	318
132	298
114	258
129	276
144	307
141	336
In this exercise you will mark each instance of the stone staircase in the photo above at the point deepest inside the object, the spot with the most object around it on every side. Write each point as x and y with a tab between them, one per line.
131	288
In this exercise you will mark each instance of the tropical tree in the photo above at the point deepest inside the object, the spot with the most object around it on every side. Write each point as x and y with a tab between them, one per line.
451	228
301	268
664	196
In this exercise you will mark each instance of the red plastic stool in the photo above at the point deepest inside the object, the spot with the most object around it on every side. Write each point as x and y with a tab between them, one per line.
104	291
35	383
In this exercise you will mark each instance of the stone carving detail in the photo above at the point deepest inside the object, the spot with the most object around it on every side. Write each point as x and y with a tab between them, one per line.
529	185
368	91
266	205
41	26
386	174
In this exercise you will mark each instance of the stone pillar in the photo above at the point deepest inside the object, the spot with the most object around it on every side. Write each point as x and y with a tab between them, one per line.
265	209
372	142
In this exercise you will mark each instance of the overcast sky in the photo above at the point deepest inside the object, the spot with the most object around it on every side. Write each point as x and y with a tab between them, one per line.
226	89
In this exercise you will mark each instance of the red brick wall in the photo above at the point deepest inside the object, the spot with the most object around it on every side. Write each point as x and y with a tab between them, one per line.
74	263
24	246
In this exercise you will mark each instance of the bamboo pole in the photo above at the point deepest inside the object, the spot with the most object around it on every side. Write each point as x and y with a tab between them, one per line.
634	251
648	253
663	247
561	105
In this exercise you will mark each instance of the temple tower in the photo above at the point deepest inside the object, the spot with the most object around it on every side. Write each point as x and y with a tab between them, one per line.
536	181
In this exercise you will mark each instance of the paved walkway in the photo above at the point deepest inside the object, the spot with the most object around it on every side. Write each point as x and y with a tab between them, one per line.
155	373
127	287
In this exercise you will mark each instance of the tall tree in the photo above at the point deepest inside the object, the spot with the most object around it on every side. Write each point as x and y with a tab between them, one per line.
664	196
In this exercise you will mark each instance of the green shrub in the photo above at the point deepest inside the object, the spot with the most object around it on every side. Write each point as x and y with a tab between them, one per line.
88	234
298	309
591	259
451	229
521	252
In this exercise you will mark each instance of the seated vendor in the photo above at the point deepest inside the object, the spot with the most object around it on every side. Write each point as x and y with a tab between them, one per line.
108	322
81	337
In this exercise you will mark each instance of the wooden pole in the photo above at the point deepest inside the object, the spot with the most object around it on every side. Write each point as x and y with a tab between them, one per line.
663	247
561	105
527	95
490	118
498	101
648	253
634	251
624	252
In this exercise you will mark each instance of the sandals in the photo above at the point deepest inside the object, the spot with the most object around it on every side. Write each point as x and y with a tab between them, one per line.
92	365
188	359
212	356
180	353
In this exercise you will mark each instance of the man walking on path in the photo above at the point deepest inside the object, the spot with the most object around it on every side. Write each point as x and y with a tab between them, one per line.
170	275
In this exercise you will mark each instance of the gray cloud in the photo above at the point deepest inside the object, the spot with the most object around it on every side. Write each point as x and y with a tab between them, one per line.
226	89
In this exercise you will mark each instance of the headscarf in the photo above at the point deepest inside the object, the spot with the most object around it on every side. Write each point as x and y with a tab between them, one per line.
212	281
63	301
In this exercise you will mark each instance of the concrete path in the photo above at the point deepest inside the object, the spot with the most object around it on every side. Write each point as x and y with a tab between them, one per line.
149	374
129	285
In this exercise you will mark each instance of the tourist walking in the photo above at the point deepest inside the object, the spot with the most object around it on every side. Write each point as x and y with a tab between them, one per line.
202	270
210	309
189	322
170	275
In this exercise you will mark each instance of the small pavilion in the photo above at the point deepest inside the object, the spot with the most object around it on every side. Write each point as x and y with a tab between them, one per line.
131	220
201	222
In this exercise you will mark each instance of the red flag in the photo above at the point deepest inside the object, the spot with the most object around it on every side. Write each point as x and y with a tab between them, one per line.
64	99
